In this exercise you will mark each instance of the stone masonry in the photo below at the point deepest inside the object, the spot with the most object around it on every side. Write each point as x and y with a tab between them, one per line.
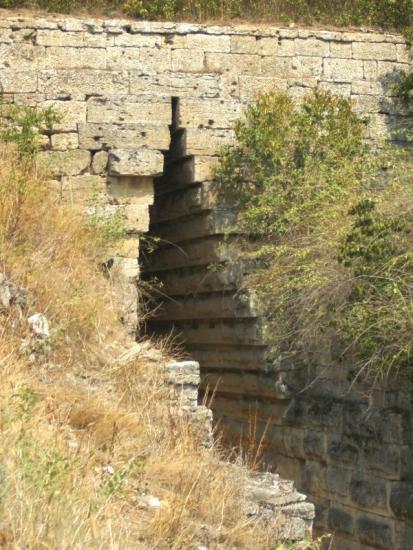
145	108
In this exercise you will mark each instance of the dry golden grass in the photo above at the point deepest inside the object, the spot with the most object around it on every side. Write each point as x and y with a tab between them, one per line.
85	439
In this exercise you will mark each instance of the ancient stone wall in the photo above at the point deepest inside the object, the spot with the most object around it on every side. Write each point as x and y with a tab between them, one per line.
145	109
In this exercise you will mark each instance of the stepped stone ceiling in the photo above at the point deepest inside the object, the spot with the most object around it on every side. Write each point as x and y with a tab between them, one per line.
145	108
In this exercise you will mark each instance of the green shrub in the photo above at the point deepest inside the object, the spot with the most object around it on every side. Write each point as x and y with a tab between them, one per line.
318	217
23	125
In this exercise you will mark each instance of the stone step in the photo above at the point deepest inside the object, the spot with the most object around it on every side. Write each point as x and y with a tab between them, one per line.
243	383
178	203
212	332
177	174
206	306
201	224
198	280
199	252
251	358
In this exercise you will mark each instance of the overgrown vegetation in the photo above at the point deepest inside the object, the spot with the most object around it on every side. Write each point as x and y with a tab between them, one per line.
388	14
328	224
92	454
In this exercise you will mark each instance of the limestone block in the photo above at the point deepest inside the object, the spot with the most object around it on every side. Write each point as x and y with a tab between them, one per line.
391	70
154	60
71	113
18	81
59	38
371	50
208	113
339	88
279	67
341	50
6	36
71	24
76	83
24	35
124	136
340	519
238	63
312	47
375	531
99	162
315	477
369	493
123	58
370	70
315	445
137	217
403	53
268	45
342	70
175	84
22	56
338	479
98	40
244	44
83	189
126	269
308	67
181	373
367	87
131	189
285	47
75	58
251	86
129	109
207	141
138	40
229	86
208	43
204	167
64	163
401	500
366	104
190	61
62	142
142	162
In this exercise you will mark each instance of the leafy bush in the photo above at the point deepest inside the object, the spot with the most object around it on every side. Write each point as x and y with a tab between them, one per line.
23	125
326	231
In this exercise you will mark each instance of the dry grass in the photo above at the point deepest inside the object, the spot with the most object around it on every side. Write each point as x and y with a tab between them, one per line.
84	439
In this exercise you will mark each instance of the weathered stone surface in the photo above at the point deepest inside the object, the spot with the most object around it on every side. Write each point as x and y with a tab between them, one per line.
129	109
74	84
18	81
63	142
370	493
380	51
99	162
375	532
76	58
64	163
82	189
142	162
123	136
401	500
340	520
342	70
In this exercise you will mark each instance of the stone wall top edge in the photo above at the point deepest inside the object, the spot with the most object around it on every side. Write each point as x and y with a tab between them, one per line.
21	20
